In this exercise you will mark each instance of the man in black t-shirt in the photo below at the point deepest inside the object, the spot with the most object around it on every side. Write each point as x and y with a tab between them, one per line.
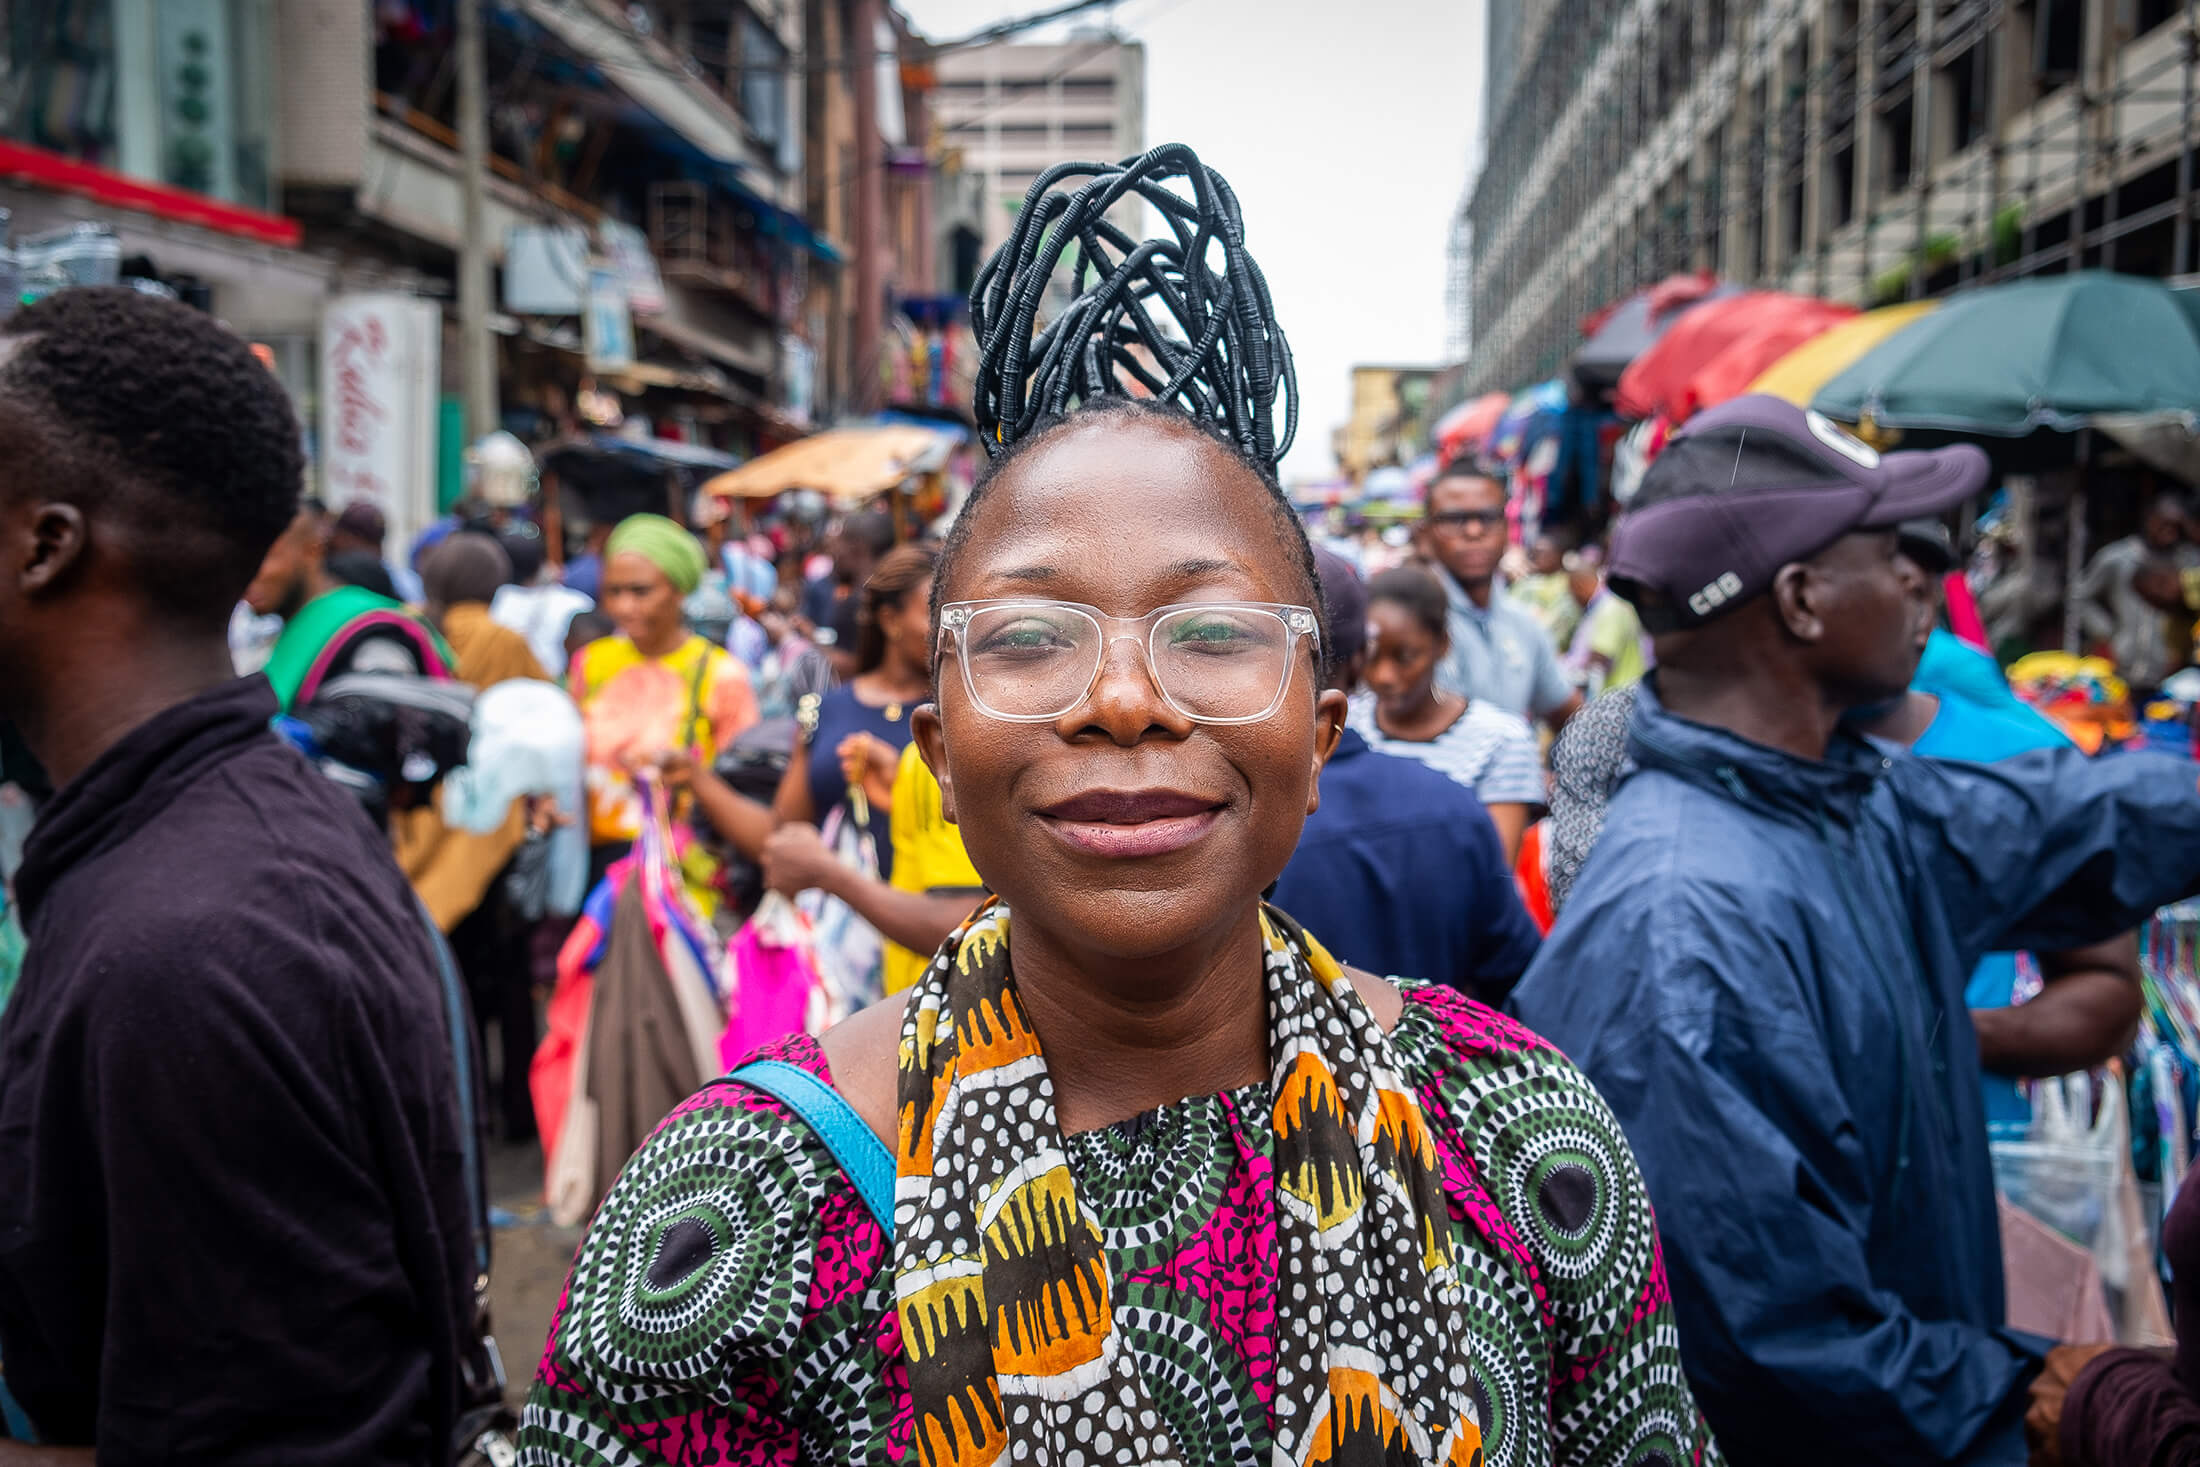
233	1211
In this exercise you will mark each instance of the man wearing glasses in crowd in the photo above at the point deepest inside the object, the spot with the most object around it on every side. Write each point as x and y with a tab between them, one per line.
1499	653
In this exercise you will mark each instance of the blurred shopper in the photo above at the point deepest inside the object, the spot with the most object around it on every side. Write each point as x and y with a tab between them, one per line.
833	602
1762	967
2112	595
330	628
459	875
655	689
1480	745
1607	648
1547	591
234	1224
1499	653
859	725
361	529
533	603
1400	868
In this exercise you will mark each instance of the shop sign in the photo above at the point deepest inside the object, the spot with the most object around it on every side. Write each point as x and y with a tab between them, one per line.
607	327
626	251
381	363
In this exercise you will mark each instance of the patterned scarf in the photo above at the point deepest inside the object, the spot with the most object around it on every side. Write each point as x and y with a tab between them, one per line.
1004	1287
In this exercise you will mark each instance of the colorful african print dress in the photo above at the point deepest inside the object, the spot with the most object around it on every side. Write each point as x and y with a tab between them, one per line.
735	1303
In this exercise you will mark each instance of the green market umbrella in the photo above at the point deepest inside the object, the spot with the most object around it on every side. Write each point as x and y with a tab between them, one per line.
2052	352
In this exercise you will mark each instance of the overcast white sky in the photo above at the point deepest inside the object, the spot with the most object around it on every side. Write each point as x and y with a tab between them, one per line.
1344	128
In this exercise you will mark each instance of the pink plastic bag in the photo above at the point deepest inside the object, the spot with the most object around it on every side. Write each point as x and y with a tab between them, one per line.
777	990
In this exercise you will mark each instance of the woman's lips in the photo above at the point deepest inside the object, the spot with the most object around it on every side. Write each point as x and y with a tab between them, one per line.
1129	824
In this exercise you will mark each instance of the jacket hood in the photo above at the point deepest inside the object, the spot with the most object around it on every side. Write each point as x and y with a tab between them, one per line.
1753	774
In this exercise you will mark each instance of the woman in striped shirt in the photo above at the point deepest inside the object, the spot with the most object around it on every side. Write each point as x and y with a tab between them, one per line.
1483	747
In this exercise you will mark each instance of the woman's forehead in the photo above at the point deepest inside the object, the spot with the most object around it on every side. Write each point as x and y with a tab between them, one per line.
1101	514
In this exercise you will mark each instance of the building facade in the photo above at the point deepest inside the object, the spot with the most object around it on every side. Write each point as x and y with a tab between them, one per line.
1864	150
1388	426
1013	111
699	213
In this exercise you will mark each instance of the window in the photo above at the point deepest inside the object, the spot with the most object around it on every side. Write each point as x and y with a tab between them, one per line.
2058	42
1897	138
764	89
1089	88
1841	185
1968	84
191	104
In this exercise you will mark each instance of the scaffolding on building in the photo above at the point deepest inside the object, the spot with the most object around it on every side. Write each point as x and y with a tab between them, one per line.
1866	150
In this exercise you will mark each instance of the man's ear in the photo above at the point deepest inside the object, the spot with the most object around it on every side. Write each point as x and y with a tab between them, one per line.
53	549
931	736
1795	591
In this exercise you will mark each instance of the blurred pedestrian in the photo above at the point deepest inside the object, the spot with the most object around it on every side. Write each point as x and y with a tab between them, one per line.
1607	649
1399	868
533	603
832	603
331	628
235	1224
655	689
1499	653
1762	966
2113	601
1478	744
360	528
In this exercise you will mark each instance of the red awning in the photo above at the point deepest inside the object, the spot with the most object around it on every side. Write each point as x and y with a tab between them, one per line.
1715	351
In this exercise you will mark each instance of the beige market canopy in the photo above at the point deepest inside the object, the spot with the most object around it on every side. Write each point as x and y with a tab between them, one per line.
846	463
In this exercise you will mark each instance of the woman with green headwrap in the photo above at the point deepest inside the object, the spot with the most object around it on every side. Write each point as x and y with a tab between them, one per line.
655	688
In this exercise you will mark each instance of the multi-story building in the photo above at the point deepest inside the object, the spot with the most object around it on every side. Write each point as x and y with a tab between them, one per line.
698	213
1865	150
1389	422
1014	111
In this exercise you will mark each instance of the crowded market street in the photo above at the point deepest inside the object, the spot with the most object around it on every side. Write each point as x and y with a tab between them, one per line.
755	732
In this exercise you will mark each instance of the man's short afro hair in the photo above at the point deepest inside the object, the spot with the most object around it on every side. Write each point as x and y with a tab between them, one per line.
159	420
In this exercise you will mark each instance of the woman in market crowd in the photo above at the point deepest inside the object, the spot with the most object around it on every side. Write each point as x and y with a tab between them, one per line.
655	689
855	731
1165	1091
1483	747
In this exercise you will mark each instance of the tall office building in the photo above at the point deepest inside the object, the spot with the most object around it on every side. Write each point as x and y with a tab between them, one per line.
1015	110
1866	150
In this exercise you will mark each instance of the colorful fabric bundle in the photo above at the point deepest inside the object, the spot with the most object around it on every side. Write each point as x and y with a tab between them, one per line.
639	965
2082	696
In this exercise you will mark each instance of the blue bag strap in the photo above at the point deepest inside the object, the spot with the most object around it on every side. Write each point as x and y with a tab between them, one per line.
869	1165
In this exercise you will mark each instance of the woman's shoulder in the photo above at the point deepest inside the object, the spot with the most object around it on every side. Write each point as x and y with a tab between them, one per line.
732	1203
1472	1058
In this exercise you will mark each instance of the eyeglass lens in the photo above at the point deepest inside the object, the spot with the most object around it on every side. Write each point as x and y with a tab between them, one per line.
1460	519
1217	662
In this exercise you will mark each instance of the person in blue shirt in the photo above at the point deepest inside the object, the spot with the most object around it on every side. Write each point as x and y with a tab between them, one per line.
1500	654
1762	964
1400	868
2089	1002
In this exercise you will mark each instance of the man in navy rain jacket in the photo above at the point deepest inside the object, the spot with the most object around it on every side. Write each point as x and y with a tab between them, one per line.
1762	966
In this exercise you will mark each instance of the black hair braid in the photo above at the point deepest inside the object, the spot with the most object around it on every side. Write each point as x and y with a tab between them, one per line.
1214	360
1225	362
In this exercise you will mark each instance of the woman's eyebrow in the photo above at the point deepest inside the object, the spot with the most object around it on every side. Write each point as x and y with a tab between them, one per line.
1031	573
1186	569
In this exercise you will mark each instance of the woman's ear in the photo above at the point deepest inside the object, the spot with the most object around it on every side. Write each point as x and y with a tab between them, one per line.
1329	714
931	736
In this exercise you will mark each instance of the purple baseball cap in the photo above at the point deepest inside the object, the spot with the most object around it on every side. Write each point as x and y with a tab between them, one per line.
1758	483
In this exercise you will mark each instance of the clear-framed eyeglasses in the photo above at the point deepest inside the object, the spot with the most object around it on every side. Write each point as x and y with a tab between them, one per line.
1031	661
